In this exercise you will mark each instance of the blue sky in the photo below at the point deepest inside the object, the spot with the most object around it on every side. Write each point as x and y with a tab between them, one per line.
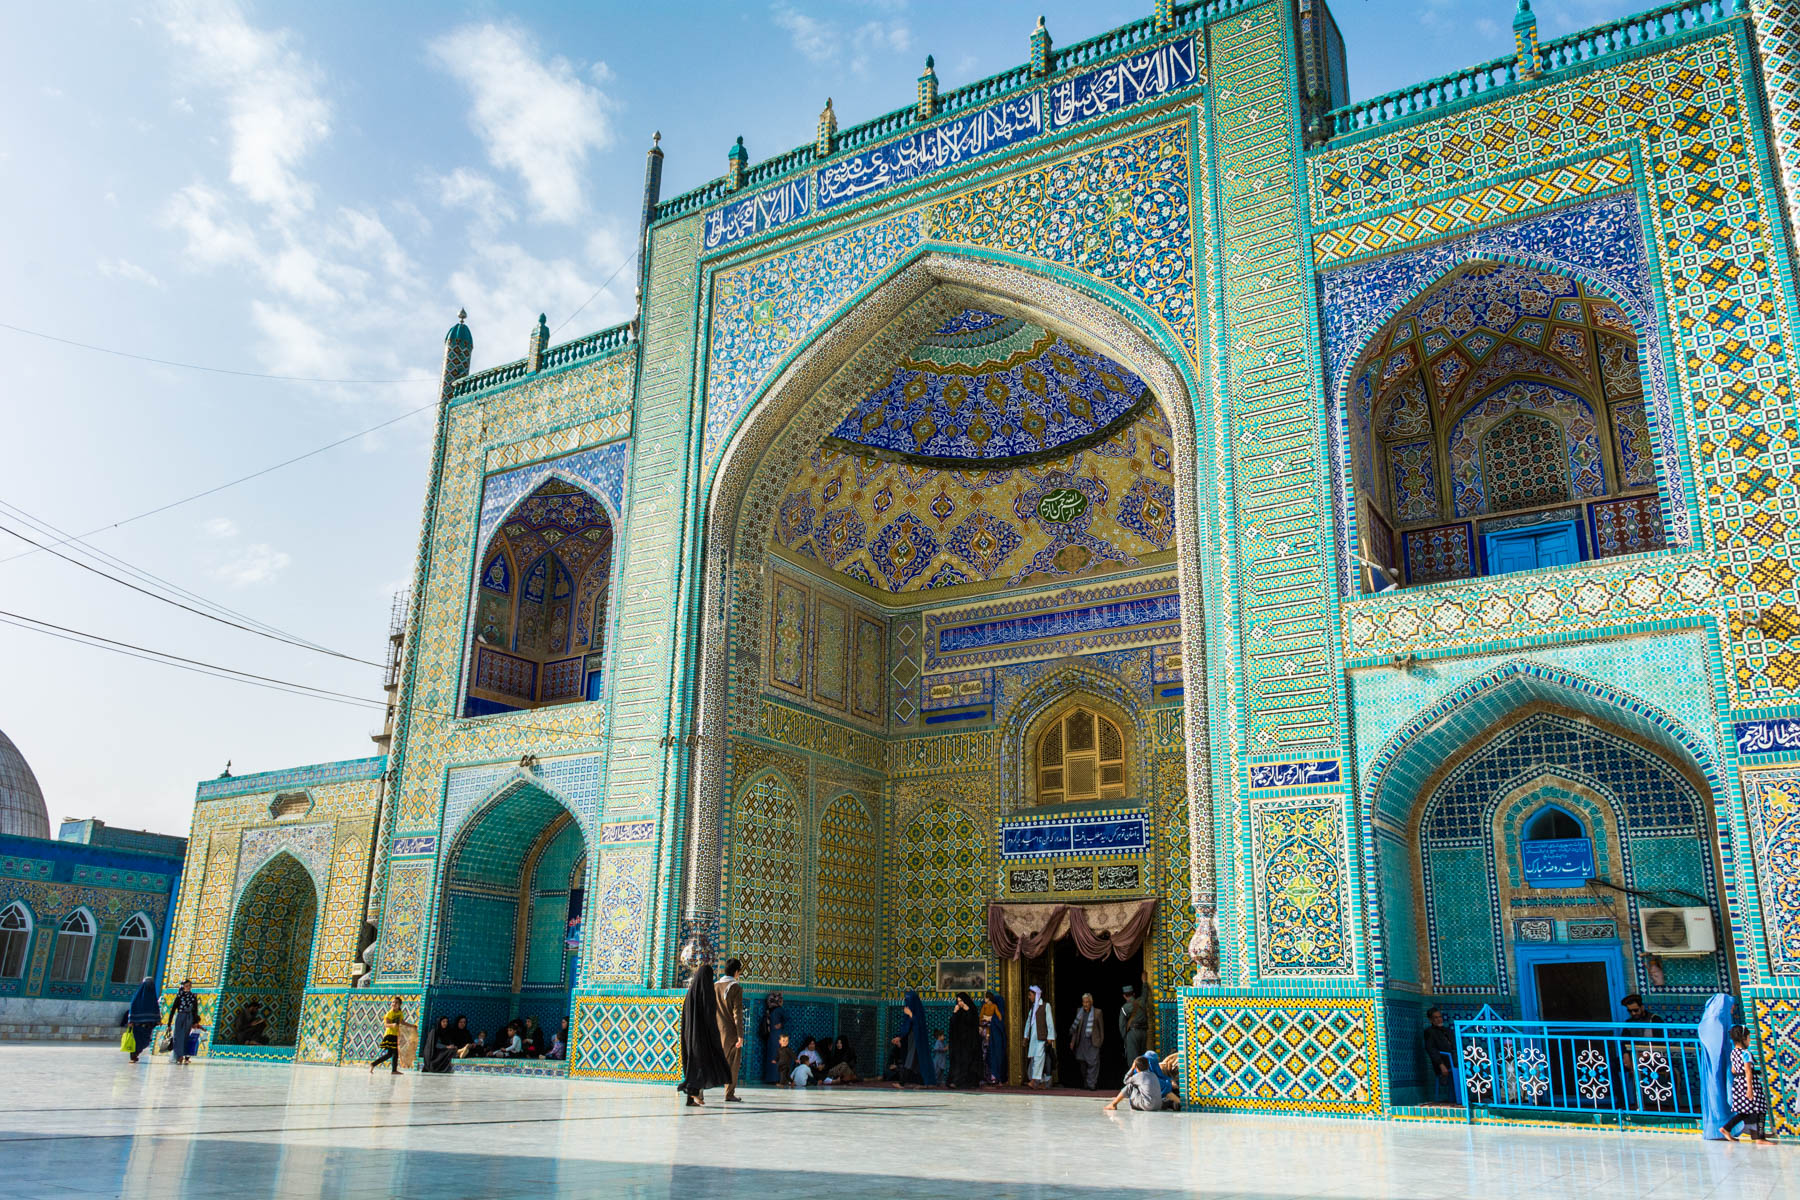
314	190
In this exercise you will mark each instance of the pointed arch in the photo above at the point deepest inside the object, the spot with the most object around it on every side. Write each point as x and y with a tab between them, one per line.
269	946
804	401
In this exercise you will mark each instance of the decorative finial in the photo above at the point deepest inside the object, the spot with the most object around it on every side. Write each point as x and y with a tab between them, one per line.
737	162
1040	49
540	342
825	136
656	138
1530	62
462	314
926	105
226	773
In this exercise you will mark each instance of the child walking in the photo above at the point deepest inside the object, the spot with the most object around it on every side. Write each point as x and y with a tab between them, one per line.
1749	1101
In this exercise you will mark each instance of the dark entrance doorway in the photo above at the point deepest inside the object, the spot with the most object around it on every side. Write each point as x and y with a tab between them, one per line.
1573	991
1075	974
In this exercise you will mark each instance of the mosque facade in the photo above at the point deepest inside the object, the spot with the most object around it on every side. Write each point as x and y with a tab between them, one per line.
1141	519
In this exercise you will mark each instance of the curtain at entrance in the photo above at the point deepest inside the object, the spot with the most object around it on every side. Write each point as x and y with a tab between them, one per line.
1028	930
1116	929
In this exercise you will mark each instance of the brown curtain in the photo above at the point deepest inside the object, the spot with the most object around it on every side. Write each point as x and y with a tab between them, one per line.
1116	929
1024	930
1028	930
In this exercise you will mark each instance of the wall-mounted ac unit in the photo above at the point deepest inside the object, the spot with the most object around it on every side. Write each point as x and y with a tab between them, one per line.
1676	932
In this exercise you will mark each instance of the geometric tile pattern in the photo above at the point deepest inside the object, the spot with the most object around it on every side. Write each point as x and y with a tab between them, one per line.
940	912
1483	206
768	899
1250	1053
321	1027
849	897
271	948
1777	1025
627	1038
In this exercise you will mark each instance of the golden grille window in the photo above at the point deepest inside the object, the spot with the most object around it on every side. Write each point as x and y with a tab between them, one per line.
1081	757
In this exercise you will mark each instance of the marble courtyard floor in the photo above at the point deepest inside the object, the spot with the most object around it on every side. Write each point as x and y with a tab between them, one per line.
81	1121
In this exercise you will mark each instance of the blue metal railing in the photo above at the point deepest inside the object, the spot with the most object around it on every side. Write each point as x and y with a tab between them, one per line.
1562	1068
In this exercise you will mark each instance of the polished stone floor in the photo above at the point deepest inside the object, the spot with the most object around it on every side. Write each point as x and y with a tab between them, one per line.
81	1121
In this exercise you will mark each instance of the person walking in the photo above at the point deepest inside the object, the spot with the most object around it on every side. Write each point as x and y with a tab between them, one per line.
731	1022
141	1016
1134	1023
1087	1033
391	1023
1040	1035
1749	1099
184	1018
703	1063
965	1058
912	1045
993	1036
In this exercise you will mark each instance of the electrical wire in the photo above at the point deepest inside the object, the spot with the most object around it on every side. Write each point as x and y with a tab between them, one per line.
186	366
166	659
231	674
596	294
286	462
40	525
283	638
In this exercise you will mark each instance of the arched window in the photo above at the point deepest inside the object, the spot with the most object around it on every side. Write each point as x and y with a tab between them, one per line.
1081	757
1554	849
1498	423
15	939
539	603
1552	823
131	957
74	948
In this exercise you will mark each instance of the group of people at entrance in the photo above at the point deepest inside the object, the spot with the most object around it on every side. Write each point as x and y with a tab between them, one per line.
970	1053
1086	1035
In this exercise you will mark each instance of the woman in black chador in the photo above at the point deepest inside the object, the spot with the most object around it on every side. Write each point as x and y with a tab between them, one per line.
965	1043
703	1062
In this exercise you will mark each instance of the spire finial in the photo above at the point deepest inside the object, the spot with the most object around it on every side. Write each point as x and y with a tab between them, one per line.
462	314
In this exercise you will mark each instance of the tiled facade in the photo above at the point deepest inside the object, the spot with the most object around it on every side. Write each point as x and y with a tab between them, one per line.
1380	354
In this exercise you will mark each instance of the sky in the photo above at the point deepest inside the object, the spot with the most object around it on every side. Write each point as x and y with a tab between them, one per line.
314	190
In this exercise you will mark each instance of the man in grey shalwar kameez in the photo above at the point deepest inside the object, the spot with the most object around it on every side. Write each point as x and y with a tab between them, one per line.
1087	1033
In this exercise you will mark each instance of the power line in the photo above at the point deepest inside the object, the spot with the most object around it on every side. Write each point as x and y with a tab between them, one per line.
286	462
150	577
595	296
185	366
284	638
131	650
305	690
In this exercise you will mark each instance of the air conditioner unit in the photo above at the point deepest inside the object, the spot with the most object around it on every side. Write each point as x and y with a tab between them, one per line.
1676	932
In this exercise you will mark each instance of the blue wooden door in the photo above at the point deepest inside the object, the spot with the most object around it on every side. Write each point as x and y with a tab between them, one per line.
1554	545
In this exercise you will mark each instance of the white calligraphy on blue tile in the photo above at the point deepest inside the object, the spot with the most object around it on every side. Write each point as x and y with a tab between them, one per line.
1124	83
770	209
909	158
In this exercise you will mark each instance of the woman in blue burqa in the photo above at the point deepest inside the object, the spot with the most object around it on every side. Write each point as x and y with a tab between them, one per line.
1715	1067
993	1017
912	1043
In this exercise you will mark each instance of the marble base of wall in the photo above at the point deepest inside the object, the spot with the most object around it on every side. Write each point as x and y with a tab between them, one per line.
31	1018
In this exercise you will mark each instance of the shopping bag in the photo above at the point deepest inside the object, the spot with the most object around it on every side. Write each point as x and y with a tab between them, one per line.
128	1043
164	1044
193	1044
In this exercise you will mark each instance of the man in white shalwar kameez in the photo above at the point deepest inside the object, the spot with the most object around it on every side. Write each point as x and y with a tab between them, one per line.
1040	1032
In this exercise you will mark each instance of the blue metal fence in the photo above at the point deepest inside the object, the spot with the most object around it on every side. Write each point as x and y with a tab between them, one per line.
1563	1068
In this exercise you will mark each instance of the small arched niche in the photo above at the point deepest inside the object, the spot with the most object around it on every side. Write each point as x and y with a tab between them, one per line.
1498	423
541	596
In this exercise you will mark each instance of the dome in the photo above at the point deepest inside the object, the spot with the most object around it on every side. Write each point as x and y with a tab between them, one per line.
992	391
22	811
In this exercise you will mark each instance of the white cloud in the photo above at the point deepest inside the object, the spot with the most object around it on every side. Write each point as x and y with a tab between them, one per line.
481	196
825	43
817	41
259	563
535	116
220	527
120	268
273	106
